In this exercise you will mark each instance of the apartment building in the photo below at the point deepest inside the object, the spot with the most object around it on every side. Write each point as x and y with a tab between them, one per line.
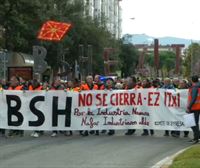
109	10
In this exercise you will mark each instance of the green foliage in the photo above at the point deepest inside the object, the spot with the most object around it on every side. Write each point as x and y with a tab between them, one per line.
166	63
192	52
129	59
190	158
22	20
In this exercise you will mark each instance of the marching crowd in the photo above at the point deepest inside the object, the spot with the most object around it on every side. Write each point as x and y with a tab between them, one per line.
96	83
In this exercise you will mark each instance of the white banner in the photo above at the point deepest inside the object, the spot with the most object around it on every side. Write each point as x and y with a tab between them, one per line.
118	109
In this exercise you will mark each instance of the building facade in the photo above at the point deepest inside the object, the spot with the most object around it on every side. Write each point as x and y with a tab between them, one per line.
108	11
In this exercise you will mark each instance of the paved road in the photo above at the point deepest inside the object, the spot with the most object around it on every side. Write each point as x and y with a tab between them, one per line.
103	151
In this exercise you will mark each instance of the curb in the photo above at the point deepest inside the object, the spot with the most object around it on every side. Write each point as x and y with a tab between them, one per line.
167	161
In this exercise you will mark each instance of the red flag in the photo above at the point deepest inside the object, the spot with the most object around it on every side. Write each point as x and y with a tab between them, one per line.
53	31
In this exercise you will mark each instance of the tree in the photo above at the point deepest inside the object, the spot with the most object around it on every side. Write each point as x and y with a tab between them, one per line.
129	59
86	31
167	61
22	20
191	63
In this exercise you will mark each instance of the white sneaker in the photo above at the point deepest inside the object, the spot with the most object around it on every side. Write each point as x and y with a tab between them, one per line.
36	135
32	134
54	134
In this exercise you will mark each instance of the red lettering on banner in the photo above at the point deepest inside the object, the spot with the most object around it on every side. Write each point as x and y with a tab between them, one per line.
173	103
172	100
165	97
111	100
139	99
132	99
101	99
117	99
178	99
81	98
125	99
104	99
156	95
126	102
157	98
121	99
150	99
98	98
85	99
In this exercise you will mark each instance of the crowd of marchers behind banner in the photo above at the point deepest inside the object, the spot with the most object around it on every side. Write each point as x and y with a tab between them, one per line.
96	83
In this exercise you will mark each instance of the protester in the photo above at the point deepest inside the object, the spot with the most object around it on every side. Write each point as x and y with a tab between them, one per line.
167	85
131	85
194	106
3	86
175	83
98	82
180	84
76	84
109	86
101	86
56	85
35	86
89	85
70	87
146	84
15	85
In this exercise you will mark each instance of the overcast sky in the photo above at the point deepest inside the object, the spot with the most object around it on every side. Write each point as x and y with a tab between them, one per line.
158	18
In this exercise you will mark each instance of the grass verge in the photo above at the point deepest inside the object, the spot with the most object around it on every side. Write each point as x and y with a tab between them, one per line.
188	159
